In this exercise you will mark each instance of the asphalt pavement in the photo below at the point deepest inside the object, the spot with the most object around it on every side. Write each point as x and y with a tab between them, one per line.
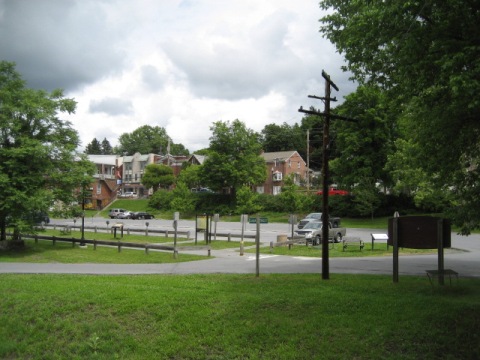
463	257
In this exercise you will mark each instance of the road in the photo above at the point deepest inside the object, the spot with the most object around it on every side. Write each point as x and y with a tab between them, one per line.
464	257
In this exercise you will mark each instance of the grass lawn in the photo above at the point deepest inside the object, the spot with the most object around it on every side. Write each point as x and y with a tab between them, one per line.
336	250
62	252
237	317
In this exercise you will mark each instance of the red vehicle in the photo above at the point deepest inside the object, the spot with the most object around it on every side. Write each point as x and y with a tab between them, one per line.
333	192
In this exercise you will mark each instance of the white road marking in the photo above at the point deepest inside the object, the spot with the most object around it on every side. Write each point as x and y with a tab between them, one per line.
250	258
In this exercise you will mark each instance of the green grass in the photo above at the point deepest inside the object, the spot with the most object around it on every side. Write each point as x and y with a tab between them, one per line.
61	252
336	250
237	317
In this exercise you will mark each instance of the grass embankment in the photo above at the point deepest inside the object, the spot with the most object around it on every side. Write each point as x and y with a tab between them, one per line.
237	317
62	252
273	217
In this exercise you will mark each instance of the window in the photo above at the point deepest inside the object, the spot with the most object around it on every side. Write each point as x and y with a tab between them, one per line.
99	188
277	176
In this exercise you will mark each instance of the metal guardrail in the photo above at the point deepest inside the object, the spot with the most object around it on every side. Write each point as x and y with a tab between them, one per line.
146	231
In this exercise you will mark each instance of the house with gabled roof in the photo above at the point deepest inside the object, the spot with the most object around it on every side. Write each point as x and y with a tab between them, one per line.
107	180
280	165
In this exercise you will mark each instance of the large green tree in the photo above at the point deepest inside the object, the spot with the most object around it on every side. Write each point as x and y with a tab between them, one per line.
37	150
234	158
158	176
424	54
93	148
284	138
148	139
363	145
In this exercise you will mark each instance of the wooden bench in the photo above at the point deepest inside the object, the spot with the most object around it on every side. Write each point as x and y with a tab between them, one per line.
346	241
432	274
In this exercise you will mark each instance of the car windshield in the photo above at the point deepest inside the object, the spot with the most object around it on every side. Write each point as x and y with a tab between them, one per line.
313	225
314	216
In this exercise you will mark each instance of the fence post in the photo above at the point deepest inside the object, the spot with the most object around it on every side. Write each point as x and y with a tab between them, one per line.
36	239
119	246
53	241
229	237
94	244
271	247
146	249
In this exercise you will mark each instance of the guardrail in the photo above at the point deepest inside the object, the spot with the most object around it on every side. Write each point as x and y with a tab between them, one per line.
146	231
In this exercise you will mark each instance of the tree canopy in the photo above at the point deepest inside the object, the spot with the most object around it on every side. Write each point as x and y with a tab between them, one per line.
37	150
424	56
148	139
234	157
158	176
96	147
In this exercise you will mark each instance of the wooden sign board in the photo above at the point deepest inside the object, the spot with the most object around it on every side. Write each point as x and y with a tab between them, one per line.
420	232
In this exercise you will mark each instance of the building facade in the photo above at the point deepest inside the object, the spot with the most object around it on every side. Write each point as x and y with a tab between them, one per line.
281	165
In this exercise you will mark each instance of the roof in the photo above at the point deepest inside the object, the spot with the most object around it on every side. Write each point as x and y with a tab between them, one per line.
278	155
137	157
103	159
200	158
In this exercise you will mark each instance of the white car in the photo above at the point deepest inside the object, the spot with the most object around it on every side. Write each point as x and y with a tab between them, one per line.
125	215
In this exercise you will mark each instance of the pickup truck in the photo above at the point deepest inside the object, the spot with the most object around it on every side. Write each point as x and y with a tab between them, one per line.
334	221
313	233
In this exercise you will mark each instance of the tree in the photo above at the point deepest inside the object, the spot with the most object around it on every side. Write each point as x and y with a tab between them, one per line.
425	56
363	146
148	139
183	201
284	138
247	201
106	147
190	176
93	148
158	176
234	158
37	150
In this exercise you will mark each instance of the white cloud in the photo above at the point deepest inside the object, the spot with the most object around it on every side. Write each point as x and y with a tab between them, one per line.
181	65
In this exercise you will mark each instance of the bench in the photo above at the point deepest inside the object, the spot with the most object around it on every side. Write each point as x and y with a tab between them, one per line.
346	241
432	274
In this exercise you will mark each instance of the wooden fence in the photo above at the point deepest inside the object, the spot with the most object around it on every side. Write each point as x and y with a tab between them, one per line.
118	244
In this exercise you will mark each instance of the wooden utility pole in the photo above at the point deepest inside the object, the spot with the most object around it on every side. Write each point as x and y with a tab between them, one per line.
308	161
325	171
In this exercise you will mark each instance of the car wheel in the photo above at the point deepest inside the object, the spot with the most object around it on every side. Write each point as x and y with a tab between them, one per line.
337	238
318	240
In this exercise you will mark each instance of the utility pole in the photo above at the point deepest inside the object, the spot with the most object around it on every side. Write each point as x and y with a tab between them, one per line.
308	161
325	171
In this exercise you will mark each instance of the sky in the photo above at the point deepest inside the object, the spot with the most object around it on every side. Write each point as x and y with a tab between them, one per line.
178	64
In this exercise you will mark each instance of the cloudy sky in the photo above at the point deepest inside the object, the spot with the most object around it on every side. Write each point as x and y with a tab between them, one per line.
178	64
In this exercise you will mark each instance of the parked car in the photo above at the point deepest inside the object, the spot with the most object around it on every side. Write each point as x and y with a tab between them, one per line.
334	221
313	233
333	192
202	189
125	215
141	215
113	213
